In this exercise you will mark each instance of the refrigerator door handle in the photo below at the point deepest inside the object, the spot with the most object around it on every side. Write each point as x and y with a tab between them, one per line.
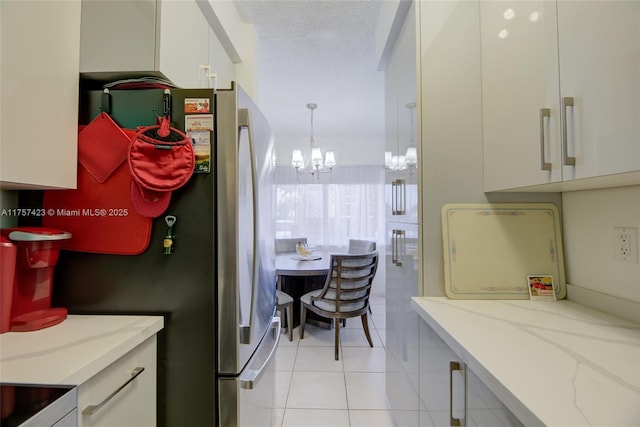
244	121
249	378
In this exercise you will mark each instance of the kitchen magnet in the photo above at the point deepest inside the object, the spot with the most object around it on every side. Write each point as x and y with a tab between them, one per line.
169	237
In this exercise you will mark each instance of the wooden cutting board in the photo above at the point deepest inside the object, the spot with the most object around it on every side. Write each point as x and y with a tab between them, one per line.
490	249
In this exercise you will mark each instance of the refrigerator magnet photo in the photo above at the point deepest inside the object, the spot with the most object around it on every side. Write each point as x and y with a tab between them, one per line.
541	287
196	105
202	148
198	122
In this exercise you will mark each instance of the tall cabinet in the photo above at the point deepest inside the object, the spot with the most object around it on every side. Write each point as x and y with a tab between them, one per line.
402	174
561	92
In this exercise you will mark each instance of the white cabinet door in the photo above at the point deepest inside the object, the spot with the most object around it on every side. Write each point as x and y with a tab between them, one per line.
561	92
599	45
402	355
145	37
484	409
39	94
401	147
184	43
442	381
520	90
121	394
451	393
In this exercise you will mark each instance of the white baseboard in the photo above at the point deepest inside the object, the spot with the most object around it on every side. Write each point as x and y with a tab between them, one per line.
628	310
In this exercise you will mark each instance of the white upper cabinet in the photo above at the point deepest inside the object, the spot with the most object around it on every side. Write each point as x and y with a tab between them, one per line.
561	94
39	94
520	90
599	45
144	37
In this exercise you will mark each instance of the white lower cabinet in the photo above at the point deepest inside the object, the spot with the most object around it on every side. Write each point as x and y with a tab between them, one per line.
451	394
124	393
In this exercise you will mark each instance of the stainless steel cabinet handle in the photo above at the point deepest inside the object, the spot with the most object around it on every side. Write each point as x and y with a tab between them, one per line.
544	113
401	205
566	159
394	197
454	366
397	246
92	409
394	247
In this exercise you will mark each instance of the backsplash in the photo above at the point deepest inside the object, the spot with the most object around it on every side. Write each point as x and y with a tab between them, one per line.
588	221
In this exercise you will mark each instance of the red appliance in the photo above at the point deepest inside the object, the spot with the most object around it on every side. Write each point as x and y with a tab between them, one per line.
38	249
8	252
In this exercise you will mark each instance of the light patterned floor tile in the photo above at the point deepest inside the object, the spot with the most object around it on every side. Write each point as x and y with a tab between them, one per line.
371	418
283	382
317	390
315	418
363	359
285	358
366	390
313	359
356	338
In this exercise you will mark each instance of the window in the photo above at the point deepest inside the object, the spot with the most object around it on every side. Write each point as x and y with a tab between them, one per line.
349	204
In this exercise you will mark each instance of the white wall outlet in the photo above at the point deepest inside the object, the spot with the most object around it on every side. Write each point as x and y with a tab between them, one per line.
625	244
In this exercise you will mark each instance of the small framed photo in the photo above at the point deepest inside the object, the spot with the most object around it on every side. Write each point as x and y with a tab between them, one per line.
541	287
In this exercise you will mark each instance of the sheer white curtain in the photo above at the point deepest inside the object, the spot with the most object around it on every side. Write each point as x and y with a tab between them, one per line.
348	204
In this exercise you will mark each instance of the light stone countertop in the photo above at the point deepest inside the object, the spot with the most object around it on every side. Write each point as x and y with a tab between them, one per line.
73	351
551	363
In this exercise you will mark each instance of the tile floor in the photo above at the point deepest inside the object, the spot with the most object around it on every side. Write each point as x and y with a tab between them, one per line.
313	389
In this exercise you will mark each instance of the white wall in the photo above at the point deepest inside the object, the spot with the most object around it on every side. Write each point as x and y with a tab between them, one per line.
589	218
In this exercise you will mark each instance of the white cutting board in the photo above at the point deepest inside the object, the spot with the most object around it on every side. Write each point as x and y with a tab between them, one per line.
489	249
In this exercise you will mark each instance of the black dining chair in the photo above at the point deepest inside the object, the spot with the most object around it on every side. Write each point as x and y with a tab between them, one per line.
345	293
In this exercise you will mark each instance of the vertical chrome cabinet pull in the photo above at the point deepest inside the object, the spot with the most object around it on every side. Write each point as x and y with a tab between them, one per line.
394	246
544	113
92	409
567	160
454	366
402	197
394	189
398	246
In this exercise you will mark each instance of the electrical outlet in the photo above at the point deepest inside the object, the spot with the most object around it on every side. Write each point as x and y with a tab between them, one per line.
625	244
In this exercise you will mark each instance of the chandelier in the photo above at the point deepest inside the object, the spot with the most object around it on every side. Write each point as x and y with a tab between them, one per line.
314	164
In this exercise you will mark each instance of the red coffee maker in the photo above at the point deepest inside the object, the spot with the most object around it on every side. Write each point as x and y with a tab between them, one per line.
36	253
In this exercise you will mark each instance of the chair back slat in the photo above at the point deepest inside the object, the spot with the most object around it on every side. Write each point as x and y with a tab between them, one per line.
348	283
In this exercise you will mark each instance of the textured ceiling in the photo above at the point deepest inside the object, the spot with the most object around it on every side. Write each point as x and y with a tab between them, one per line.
321	52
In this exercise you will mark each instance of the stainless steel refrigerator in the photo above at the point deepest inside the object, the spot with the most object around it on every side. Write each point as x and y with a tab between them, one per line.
216	289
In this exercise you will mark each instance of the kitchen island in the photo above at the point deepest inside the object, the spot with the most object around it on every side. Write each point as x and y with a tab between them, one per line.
550	363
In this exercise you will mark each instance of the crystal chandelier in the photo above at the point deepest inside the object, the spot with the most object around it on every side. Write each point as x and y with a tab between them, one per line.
315	165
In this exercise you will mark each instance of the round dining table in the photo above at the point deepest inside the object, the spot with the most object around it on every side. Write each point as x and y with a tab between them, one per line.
292	264
296	276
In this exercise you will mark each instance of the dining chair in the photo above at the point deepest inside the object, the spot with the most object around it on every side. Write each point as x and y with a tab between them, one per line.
285	306
288	244
284	300
357	246
345	293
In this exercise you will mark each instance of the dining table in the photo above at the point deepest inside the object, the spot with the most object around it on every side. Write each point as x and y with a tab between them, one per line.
297	275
